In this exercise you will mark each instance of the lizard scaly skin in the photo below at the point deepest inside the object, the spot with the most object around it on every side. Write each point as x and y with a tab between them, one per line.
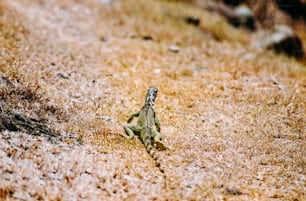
144	126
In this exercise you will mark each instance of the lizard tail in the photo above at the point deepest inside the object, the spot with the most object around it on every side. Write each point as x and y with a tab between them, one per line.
150	150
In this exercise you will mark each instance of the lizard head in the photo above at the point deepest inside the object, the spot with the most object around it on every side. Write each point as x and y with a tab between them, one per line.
151	96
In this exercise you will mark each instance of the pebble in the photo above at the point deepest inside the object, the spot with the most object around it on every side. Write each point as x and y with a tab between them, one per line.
63	75
104	117
147	37
200	68
174	48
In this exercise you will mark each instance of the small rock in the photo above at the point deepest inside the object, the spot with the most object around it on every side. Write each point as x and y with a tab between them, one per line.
106	1
156	71
174	48
147	37
233	191
240	16
63	75
283	40
243	17
200	68
103	39
103	117
192	20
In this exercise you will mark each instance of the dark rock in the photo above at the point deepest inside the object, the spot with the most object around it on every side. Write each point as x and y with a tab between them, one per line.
240	16
147	37
103	39
283	40
295	8
243	17
233	2
192	20
63	75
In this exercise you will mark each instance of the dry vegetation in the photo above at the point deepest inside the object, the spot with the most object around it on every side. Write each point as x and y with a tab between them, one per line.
233	115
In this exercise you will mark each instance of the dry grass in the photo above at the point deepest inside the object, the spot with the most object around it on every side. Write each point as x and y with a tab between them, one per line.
236	128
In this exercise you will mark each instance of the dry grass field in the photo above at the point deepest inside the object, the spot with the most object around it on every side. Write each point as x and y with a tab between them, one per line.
233	115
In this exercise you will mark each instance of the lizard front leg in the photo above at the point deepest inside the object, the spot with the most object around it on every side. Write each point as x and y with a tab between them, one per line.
131	130
136	114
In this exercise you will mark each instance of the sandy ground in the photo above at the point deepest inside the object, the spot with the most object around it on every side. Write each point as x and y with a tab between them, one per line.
232	115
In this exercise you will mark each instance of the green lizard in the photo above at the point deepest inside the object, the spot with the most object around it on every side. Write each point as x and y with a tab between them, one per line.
144	127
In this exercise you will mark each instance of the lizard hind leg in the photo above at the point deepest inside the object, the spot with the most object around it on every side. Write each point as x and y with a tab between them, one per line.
157	140
156	136
131	130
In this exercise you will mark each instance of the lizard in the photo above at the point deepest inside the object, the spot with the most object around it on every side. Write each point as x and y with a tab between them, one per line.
144	127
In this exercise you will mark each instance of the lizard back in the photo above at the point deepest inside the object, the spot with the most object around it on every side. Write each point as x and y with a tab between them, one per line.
146	122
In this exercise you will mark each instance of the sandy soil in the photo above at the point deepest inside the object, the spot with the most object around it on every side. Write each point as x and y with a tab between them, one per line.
233	115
